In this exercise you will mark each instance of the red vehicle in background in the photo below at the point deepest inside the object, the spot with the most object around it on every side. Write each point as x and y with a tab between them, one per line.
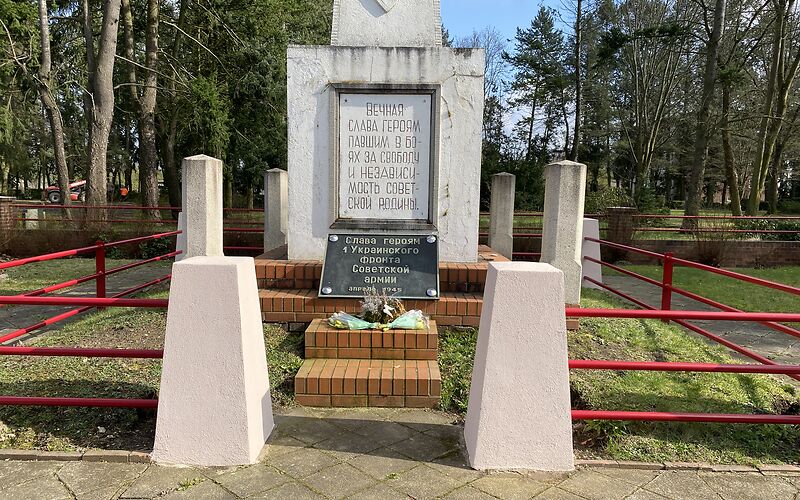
77	192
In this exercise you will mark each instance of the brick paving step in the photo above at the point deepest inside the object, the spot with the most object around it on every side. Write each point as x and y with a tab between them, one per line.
368	382
284	274
325	341
303	306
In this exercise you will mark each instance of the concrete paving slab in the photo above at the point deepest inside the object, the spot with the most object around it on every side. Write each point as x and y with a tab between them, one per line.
381	491
251	480
14	473
346	445
157	481
555	493
509	486
48	487
686	485
303	462
469	493
633	476
339	481
383	463
424	482
207	490
84	478
290	490
385	433
593	485
424	448
746	486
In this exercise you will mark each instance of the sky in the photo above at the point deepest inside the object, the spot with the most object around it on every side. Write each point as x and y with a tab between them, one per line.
461	17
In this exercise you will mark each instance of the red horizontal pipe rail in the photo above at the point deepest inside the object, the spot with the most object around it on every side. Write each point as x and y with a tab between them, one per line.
620	293
142	238
737	217
87	402
627	248
60	286
132	265
658	416
83	301
66	315
661	366
579	312
625	271
741	277
82	352
681	230
48	256
120	207
136	221
716	338
713	303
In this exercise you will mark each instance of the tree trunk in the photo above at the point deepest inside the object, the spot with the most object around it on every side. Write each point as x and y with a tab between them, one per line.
50	105
103	105
576	137
731	176
148	153
702	133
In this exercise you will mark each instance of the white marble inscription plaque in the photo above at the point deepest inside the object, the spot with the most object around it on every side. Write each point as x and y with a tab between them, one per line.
384	156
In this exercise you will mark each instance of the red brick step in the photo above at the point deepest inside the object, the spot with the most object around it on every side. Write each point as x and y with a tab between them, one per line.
325	341
368	382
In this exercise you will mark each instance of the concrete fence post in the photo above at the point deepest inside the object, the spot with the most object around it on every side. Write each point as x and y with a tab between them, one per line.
562	236
501	214
591	229
214	405
202	205
276	201
180	240
519	402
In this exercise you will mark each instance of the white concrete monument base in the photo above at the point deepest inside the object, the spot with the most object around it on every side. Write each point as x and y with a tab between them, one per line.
519	403
214	406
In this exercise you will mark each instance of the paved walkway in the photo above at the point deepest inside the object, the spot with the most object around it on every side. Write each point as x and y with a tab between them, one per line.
16	317
373	454
777	346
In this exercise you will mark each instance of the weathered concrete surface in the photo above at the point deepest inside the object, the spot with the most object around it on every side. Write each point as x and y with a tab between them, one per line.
386	23
276	208
214	404
591	229
520	374
565	191
501	214
202	205
330	467
310	72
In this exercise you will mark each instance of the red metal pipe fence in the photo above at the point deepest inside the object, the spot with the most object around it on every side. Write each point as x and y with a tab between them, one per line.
665	313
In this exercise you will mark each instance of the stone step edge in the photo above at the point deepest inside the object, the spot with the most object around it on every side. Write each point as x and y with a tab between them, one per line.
127	456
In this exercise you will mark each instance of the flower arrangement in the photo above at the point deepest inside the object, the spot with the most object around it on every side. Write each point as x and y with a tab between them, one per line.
382	312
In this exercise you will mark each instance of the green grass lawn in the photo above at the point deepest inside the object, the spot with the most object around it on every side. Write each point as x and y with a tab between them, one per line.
40	274
730	291
651	340
51	428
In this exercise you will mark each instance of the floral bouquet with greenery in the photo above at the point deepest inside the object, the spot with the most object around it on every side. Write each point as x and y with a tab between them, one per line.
380	312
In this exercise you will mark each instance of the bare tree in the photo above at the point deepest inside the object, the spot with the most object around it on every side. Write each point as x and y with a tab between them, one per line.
45	85
101	78
784	64
704	125
146	100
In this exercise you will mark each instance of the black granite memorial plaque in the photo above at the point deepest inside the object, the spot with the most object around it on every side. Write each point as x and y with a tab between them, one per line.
400	265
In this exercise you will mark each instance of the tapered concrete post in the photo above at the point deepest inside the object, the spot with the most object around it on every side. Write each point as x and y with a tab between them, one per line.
501	214
593	270
180	240
562	236
214	406
202	205
519	402
276	201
